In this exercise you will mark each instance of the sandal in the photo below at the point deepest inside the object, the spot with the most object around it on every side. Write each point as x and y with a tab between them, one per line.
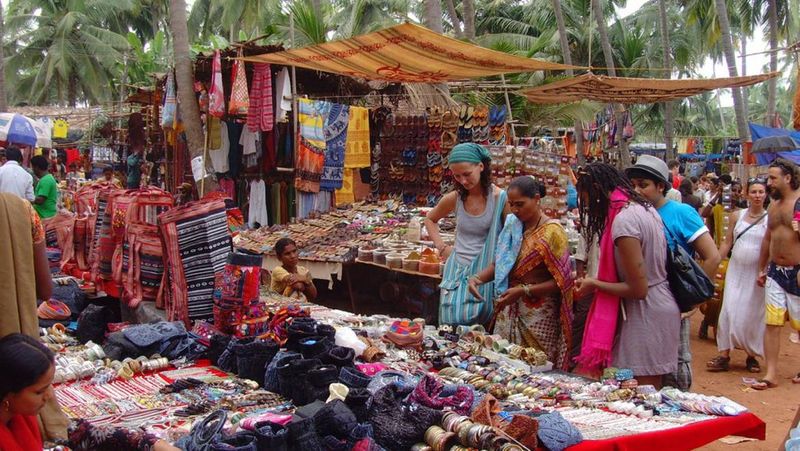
796	379
718	364
752	365
763	384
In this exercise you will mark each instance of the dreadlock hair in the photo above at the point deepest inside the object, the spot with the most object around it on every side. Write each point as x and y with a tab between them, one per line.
596	181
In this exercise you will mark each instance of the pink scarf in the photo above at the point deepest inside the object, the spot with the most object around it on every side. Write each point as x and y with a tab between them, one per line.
601	323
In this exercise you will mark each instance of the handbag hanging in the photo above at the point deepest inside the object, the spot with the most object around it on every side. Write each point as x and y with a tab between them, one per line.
240	99
730	252
688	282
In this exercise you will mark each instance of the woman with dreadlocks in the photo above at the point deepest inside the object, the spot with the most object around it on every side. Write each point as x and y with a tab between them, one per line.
632	275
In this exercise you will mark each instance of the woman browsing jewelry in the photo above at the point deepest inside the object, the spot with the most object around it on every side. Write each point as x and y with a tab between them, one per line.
532	276
479	206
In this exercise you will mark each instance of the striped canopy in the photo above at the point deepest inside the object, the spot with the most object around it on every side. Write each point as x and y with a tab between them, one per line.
405	53
601	88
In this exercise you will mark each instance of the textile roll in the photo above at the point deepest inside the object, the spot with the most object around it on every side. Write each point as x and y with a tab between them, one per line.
197	242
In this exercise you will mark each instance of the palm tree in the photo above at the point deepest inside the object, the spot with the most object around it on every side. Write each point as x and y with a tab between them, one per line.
727	46
666	49
772	27
563	39
608	55
64	51
184	75
469	18
454	20
433	15
3	104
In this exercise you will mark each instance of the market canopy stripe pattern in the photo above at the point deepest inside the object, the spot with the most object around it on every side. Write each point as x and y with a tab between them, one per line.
601	88
405	53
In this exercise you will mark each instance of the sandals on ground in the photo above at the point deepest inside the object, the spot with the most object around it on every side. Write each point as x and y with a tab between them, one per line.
752	365
718	364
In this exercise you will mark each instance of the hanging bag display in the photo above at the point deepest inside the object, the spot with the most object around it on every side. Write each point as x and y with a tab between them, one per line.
240	99
689	283
216	95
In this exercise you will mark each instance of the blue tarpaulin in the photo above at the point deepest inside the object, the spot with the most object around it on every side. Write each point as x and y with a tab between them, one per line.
763	158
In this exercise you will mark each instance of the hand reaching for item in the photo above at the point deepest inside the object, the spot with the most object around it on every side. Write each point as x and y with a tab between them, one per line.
509	297
584	286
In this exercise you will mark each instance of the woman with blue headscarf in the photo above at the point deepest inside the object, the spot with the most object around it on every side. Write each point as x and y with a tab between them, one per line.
479	207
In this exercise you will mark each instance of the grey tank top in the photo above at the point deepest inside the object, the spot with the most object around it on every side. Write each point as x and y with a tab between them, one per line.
471	231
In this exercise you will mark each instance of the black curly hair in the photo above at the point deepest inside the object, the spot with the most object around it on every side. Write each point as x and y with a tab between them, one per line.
596	181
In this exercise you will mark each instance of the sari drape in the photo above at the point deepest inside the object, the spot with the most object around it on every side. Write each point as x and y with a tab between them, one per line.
546	322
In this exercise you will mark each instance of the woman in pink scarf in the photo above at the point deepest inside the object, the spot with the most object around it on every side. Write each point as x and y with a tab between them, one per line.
634	320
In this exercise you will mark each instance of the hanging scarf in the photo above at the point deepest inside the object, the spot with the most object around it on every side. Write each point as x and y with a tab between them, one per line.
169	110
216	95
601	322
335	138
260	116
357	151
240	99
310	145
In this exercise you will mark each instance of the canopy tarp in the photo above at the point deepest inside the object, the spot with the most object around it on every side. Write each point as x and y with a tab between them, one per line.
405	53
601	88
764	158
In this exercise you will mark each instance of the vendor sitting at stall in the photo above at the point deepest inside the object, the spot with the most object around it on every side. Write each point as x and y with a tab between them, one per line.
25	388
479	207
289	278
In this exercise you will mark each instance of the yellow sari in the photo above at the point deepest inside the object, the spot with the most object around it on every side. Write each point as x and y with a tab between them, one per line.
544	323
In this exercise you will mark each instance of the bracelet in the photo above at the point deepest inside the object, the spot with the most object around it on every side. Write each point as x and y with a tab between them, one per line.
527	289
477	279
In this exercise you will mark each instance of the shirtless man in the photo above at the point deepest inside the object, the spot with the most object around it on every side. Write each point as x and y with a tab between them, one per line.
779	263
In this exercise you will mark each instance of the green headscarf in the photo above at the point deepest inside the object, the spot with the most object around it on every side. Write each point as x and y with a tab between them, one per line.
468	153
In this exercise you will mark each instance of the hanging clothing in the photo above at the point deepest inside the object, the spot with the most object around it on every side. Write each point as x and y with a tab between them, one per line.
250	141
216	94
311	145
335	139
219	153
170	107
357	151
227	186
261	116
346	194
283	91
269	160
235	151
60	128
258	204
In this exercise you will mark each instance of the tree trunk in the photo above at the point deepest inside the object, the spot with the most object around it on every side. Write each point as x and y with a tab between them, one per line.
566	54
730	58
316	5
745	91
433	15
451	11
469	18
666	48
772	83
3	104
608	55
184	77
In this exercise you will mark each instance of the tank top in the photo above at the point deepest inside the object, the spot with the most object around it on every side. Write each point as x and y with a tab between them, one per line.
471	230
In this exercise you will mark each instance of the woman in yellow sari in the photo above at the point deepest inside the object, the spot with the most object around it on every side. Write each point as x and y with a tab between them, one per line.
532	275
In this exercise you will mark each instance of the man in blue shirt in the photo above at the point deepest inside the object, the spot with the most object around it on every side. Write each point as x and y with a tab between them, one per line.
650	177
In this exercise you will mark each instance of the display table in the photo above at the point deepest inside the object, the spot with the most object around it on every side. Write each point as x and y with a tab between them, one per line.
690	436
400	270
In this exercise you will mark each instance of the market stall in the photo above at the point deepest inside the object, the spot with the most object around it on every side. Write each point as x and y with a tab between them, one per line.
300	374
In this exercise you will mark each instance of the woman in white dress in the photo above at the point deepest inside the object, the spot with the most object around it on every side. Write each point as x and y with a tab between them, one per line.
741	321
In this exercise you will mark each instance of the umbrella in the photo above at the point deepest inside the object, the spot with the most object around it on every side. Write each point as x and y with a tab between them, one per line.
19	129
783	143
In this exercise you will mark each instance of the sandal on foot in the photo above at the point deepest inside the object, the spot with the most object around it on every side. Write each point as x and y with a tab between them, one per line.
763	384
718	364
752	365
796	379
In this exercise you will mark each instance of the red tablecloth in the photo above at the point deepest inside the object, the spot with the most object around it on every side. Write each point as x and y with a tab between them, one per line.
686	437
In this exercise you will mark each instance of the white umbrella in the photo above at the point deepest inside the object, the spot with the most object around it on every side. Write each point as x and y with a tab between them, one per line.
18	129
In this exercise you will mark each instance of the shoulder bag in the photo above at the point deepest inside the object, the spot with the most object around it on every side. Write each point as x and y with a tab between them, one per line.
689	283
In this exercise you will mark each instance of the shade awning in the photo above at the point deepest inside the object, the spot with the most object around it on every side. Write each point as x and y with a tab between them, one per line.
405	53
601	88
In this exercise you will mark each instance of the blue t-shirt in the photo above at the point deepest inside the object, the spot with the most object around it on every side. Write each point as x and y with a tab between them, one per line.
572	196
683	222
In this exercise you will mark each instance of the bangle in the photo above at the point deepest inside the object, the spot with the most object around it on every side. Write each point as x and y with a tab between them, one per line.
477	279
527	289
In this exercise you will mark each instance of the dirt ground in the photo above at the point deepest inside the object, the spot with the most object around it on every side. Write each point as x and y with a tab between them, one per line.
777	406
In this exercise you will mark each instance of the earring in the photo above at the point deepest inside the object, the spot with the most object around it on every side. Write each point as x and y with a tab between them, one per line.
7	405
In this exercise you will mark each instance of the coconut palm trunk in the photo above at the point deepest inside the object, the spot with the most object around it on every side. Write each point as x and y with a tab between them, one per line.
469	18
3	104
608	55
451	11
563	39
184	75
666	49
433	15
730	58
772	83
